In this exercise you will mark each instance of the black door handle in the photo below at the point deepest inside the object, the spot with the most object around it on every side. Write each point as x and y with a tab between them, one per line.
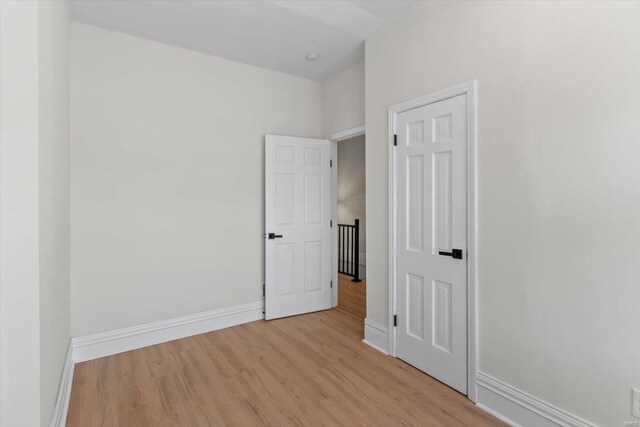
275	236
455	253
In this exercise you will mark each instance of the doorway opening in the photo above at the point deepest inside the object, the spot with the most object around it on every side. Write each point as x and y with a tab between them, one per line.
351	222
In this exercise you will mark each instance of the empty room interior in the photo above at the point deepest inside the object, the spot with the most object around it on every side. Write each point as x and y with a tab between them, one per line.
356	213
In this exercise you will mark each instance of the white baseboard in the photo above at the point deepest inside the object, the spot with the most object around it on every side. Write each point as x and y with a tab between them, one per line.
107	343
518	408
59	416
376	335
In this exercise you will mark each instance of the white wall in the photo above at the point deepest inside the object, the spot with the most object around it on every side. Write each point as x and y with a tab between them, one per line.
351	185
559	185
53	155
34	208
343	100
19	283
167	176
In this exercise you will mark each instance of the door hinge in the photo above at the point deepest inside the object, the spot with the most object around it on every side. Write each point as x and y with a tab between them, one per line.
330	223
395	320
331	283
264	290
395	139
330	163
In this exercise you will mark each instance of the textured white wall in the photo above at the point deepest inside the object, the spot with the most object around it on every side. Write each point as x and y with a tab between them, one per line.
167	176
558	178
343	100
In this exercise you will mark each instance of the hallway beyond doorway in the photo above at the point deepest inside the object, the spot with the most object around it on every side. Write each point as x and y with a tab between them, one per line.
352	296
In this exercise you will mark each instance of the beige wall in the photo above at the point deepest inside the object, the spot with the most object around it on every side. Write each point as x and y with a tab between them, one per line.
343	100
558	185
351	185
34	208
167	177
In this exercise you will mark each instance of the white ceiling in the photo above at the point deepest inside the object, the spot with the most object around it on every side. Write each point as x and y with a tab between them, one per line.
272	34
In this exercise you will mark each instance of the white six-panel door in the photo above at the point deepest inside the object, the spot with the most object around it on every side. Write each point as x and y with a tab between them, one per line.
431	285
297	208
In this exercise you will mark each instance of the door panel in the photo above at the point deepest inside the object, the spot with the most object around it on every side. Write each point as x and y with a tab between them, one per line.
415	306
431	218
297	208
313	199
415	203
442	200
284	198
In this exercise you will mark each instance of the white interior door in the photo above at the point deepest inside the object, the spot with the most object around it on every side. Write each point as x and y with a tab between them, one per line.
431	240
297	227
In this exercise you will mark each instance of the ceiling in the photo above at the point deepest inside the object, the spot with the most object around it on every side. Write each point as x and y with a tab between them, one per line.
277	35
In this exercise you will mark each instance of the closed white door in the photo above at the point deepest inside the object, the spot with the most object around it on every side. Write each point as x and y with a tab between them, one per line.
431	240
297	227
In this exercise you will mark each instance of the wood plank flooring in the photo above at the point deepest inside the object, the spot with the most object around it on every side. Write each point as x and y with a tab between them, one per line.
352	297
310	370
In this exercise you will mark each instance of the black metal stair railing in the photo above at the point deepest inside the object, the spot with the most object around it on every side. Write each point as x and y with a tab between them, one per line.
349	250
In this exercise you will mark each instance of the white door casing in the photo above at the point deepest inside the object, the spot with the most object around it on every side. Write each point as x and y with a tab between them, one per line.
298	208
431	217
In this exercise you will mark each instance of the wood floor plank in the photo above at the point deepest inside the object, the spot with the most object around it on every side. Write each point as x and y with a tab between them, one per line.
352	296
309	370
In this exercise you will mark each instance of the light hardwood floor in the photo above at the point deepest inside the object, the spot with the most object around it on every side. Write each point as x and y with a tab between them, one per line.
308	370
352	296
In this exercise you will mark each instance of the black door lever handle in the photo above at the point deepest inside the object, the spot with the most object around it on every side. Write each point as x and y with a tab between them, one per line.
455	253
275	236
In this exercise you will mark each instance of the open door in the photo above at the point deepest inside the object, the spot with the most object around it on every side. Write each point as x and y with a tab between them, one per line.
297	225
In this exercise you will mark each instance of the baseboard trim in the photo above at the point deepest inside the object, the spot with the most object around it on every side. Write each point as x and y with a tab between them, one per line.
497	415
59	416
376	335
518	408
107	343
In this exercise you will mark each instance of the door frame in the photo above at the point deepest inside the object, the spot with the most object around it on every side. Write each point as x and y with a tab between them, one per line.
335	138
469	89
